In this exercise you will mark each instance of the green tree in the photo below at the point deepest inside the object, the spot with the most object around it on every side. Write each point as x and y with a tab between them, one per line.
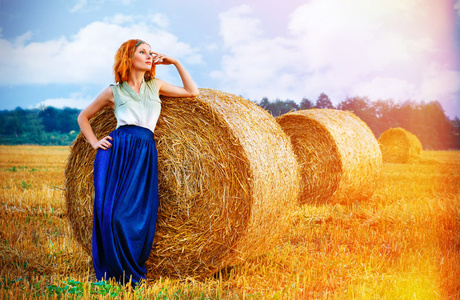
11	124
438	131
361	107
264	103
306	104
383	112
456	132
50	119
35	129
323	101
278	107
26	126
67	120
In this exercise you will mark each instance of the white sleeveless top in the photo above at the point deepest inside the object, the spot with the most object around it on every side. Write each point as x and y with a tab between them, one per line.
141	109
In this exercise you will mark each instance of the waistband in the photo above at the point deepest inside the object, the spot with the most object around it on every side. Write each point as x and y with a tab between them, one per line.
137	131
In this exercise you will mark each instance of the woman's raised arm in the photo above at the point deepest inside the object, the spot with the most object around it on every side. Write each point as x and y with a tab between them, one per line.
188	90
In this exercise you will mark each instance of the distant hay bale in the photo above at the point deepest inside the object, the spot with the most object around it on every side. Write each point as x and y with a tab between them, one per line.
338	154
228	182
399	146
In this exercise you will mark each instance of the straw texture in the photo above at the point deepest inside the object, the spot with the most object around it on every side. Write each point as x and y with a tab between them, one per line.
399	146
338	155
228	181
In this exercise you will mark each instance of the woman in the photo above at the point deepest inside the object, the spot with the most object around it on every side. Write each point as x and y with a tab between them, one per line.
125	167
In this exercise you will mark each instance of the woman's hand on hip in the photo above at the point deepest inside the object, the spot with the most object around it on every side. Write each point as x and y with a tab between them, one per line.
103	143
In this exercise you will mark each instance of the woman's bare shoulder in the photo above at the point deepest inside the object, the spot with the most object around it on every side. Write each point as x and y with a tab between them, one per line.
106	96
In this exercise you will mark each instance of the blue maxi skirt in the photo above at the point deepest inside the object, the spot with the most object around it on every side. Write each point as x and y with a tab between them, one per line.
125	204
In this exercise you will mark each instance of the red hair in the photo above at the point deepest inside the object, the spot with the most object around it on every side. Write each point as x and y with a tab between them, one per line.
123	57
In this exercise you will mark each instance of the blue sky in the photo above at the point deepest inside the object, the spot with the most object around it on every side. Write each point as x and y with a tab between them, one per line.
60	53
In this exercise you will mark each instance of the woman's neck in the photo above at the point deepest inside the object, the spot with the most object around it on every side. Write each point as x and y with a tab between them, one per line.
135	81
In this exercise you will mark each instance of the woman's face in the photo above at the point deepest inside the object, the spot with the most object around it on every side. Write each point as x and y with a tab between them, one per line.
143	58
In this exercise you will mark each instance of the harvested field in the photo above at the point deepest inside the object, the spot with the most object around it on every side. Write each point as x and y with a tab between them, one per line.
402	243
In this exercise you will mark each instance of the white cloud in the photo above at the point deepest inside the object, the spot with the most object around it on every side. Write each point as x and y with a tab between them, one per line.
119	19
211	47
457	7
437	80
380	49
237	26
382	87
75	100
253	61
440	84
86	57
159	20
79	5
21	40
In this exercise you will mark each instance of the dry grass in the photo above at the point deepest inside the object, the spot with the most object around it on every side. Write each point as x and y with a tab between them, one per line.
402	243
227	176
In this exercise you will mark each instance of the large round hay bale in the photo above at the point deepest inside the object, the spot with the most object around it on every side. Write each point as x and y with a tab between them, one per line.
399	146
228	182
338	154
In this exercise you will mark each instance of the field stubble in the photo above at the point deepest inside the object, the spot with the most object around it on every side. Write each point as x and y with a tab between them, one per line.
403	243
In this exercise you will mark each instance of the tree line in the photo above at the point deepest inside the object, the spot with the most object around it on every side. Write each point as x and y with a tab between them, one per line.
428	121
44	126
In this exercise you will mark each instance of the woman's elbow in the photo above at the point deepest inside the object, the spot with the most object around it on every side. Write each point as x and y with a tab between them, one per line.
195	93
81	118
